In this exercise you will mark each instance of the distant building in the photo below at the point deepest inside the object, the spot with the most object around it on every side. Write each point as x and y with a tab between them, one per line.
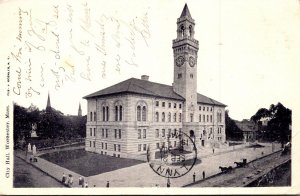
249	129
125	119
79	110
264	121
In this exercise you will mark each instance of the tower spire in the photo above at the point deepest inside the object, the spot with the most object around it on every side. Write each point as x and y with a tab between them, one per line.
79	110
48	107
185	12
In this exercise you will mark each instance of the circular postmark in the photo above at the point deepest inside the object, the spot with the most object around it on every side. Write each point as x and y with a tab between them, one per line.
173	161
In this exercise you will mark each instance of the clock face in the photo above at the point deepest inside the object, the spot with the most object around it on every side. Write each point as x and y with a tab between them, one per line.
192	61
179	61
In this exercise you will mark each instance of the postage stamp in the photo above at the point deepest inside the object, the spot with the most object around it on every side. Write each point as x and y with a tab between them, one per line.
173	161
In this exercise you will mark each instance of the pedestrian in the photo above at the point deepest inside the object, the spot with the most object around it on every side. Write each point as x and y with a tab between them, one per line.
107	184
168	183
194	177
63	180
80	181
203	174
86	185
70	180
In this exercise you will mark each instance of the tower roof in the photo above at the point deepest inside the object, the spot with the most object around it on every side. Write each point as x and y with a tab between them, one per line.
185	12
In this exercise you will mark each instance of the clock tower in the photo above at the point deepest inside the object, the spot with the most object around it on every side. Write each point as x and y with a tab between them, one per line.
185	49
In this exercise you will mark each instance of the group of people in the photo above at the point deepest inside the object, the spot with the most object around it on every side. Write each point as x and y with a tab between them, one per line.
68	181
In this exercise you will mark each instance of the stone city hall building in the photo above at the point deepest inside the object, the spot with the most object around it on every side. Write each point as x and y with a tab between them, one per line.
125	119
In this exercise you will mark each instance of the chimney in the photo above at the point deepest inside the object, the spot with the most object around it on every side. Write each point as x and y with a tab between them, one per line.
145	77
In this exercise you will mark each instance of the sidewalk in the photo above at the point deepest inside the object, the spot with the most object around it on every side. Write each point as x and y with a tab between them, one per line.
142	175
49	168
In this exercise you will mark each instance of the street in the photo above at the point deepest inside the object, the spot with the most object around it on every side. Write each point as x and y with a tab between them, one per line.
25	175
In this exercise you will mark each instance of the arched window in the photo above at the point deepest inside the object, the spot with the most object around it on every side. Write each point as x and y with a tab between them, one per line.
103	113
144	113
116	113
219	116
190	30
121	113
107	113
138	113
163	119
169	117
141	111
156	116
182	30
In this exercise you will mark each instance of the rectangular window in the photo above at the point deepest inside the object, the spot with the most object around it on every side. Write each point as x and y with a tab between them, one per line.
157	145
203	117
105	146
169	105
106	133
102	132
174	143
157	133
199	108
120	134
211	109
102	145
116	133
210	118
95	116
115	147
91	131
139	147
199	117
163	104
144	133
91	116
180	106
163	144
175	105
207	109
163	132
192	117
145	147
203	108
139	133
94	144
169	132
90	143
179	76
157	103
94	131
119	147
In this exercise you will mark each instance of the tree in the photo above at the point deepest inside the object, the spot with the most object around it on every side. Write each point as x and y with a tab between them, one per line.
51	124
232	131
278	125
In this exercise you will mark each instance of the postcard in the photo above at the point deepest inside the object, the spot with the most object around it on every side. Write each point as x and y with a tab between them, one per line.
149	97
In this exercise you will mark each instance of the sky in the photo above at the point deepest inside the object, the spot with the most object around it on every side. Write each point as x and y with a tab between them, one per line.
248	54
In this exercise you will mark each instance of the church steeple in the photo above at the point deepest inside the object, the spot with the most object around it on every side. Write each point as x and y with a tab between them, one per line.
48	107
79	110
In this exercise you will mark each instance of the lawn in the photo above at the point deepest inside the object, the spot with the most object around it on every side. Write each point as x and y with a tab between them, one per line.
88	163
